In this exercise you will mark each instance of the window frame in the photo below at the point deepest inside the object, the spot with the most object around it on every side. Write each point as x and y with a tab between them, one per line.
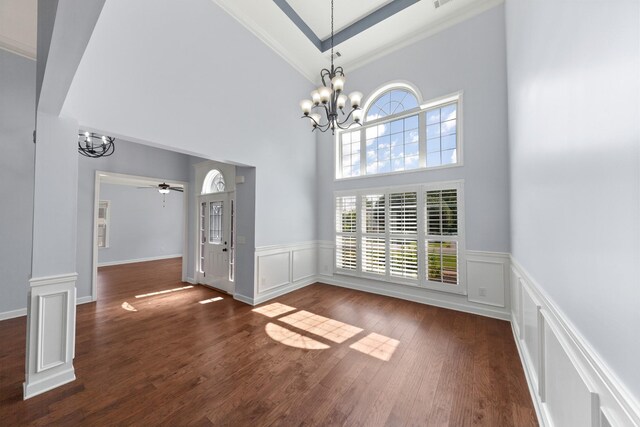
422	237
421	110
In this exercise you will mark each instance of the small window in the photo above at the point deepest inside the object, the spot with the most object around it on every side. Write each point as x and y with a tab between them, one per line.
213	182
442	135
215	222
103	223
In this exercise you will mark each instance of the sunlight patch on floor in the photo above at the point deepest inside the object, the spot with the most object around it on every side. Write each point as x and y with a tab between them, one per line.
128	306
293	339
273	310
376	345
168	291
331	329
207	301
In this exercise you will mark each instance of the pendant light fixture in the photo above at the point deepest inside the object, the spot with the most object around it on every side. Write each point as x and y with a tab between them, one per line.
329	101
93	145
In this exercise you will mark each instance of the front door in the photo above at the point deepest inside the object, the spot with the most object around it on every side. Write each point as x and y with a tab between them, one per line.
215	220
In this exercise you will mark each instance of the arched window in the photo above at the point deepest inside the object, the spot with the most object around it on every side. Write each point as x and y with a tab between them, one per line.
401	132
392	102
213	182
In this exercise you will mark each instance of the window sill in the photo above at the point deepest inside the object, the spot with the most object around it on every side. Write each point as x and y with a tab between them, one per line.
412	171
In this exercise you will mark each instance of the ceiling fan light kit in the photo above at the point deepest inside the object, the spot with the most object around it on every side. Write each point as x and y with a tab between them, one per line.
330	100
92	145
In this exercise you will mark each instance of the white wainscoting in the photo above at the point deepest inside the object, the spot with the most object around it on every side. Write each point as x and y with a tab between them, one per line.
51	326
486	271
281	269
569	384
487	277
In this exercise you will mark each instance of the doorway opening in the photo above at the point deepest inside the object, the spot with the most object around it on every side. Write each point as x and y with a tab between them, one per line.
216	227
132	191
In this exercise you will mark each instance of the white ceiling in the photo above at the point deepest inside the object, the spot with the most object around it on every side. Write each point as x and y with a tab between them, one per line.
18	26
265	19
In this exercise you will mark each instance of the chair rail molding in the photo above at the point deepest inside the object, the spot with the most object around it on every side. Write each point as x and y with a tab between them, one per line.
51	327
568	382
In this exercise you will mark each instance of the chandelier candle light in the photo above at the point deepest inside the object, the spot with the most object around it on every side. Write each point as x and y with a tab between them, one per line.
330	100
94	145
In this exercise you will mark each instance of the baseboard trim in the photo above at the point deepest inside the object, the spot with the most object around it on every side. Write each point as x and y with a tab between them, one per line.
482	311
614	399
191	281
274	293
84	300
13	314
33	389
244	299
133	261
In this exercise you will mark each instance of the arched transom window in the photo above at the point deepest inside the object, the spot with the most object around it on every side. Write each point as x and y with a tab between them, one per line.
213	182
392	102
401	133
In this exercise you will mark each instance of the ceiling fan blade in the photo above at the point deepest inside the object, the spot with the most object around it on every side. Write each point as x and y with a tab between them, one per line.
149	186
177	189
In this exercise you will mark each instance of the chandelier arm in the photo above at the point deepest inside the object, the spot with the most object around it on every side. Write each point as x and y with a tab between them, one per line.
350	114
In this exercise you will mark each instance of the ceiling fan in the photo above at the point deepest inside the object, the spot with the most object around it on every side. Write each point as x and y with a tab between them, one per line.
164	188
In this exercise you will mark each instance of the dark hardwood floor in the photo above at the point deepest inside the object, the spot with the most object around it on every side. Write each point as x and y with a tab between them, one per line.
322	355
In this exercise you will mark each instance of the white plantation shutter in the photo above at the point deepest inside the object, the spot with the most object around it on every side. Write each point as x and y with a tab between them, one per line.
374	253
442	235
346	233
403	230
410	235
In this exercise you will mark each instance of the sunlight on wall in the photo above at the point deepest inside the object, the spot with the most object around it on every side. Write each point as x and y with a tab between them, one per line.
150	294
376	345
324	327
293	339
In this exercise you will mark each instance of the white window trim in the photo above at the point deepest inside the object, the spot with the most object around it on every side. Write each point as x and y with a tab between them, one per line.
107	222
445	99
422	281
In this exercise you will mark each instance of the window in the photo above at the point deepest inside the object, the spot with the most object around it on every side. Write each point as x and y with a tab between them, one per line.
103	223
203	234
213	182
215	222
409	235
399	135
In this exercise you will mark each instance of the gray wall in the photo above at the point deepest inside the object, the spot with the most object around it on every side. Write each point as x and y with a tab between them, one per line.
469	56
245	222
574	114
141	225
17	122
215	102
131	159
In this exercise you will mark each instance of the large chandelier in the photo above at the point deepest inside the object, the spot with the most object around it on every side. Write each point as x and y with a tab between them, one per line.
93	145
329	100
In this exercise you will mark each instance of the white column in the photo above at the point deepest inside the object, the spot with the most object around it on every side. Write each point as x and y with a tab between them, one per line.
51	305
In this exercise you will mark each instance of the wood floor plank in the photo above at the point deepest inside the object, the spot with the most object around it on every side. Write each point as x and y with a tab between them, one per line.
149	353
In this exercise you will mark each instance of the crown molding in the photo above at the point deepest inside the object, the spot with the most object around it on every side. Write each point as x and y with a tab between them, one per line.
18	48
